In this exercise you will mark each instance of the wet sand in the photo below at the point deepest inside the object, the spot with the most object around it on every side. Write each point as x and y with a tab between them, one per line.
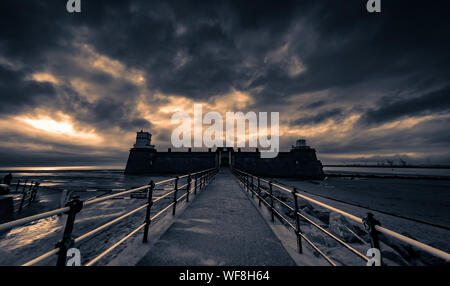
424	200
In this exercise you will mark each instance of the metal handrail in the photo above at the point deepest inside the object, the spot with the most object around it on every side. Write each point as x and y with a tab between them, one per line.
28	219
25	220
427	248
101	255
205	175
298	233
346	245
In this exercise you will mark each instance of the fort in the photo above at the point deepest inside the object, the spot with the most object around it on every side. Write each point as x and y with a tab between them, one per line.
300	162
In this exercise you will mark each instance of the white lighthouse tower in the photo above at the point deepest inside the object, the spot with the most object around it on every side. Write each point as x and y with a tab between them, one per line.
300	144
143	140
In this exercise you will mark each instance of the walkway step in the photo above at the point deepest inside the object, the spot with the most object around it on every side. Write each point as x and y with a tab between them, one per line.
220	227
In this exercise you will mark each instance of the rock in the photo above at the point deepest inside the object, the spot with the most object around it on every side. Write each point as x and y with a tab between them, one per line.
323	216
289	214
302	204
413	256
392	258
342	228
319	238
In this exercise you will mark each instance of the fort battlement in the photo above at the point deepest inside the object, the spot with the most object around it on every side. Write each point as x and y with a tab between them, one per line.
300	162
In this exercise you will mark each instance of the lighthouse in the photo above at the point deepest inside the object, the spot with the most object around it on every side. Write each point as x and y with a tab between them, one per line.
143	140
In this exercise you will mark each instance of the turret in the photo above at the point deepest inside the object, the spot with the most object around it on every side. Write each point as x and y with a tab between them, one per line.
143	140
300	144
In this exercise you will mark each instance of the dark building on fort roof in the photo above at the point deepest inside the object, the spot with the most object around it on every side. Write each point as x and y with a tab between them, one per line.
299	162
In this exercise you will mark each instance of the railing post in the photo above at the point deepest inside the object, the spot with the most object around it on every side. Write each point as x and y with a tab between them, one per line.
148	221
252	188
195	184
67	241
369	223
246	182
297	221
31	192
24	194
17	186
34	192
175	196
271	200
188	187
259	191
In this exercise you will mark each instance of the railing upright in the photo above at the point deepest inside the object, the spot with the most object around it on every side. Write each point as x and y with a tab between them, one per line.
175	196
372	226
271	200
74	206
195	184
24	193
297	221
188	187
247	183
32	191
369	223
253	188
147	214
17	186
259	191
67	241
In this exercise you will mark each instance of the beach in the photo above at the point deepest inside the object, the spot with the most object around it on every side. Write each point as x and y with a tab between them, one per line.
417	208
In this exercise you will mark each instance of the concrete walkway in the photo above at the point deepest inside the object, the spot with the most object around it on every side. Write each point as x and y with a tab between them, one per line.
220	227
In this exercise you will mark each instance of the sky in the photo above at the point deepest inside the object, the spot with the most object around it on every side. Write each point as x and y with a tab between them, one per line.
358	86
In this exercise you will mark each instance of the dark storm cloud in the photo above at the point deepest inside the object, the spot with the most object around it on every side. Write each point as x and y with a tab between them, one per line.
215	40
31	31
320	117
274	50
74	157
18	94
408	38
105	113
315	104
429	103
426	134
30	28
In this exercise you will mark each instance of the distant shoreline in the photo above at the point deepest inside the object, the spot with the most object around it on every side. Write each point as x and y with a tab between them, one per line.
375	176
391	167
61	168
